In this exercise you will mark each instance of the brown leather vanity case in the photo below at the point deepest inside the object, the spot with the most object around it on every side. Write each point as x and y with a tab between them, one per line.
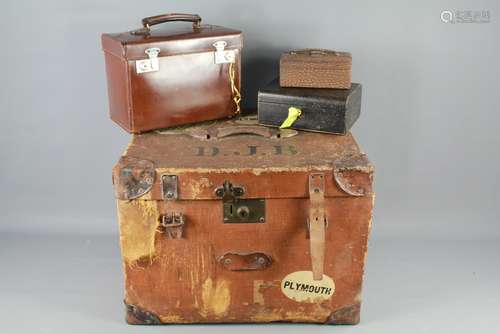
322	110
174	74
316	68
235	222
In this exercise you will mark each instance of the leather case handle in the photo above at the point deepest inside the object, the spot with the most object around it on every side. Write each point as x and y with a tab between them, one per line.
319	53
153	20
313	52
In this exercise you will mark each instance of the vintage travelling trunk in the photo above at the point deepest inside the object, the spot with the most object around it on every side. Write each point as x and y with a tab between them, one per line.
235	222
316	68
174	74
323	110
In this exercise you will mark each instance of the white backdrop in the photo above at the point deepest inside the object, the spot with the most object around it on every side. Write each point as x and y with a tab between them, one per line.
429	122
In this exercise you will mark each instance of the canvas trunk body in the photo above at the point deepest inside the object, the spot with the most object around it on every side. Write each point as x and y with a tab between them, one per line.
234	222
175	74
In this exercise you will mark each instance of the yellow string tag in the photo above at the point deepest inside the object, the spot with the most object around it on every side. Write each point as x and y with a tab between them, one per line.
293	115
234	89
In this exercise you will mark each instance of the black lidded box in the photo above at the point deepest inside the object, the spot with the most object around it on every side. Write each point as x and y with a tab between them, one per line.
323	110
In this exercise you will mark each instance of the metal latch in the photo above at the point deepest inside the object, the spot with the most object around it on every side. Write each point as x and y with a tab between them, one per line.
223	56
169	186
172	224
149	65
237	210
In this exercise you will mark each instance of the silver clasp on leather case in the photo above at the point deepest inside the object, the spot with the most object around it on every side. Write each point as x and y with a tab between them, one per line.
151	64
223	56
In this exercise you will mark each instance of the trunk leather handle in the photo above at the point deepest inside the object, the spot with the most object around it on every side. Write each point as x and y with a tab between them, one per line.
224	132
317	223
153	20
235	261
246	130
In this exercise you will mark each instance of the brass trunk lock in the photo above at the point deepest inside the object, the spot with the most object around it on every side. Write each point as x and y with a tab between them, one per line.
238	210
228	192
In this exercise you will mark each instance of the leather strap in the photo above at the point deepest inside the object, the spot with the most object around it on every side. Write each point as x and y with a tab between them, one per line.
317	223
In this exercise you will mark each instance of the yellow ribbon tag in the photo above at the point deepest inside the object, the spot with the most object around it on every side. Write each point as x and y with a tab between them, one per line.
293	115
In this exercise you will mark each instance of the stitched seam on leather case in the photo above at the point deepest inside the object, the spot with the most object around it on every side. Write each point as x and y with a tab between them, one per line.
181	54
304	102
230	47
